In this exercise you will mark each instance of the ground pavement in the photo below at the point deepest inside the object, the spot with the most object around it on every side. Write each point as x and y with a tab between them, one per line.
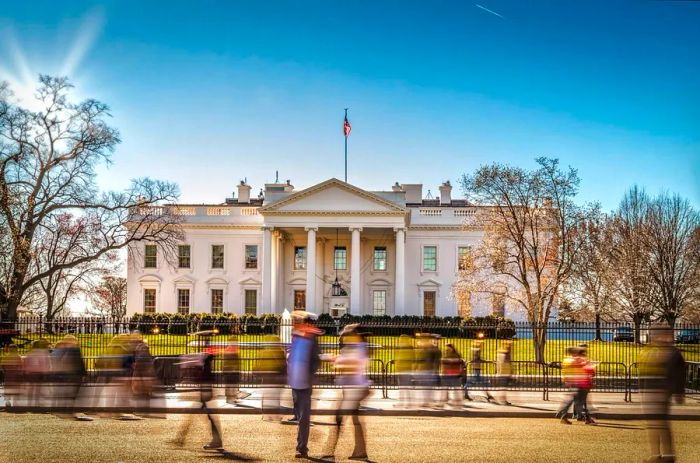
480	431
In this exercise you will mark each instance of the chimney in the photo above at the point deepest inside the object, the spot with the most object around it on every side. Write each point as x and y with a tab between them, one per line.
243	193
396	187
446	193
414	192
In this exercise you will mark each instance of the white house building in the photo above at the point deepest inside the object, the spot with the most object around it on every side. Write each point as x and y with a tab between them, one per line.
391	252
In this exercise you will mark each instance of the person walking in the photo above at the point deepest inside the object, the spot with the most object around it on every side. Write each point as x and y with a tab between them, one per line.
302	364
504	370
197	369
574	376
476	365
662	373
452	366
405	358
351	368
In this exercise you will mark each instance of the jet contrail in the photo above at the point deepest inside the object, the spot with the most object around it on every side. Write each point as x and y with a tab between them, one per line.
489	11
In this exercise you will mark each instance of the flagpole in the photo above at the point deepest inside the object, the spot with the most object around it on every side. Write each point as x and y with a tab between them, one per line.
346	149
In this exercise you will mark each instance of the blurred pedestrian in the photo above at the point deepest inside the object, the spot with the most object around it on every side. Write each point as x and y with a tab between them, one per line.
302	364
427	369
475	364
143	378
574	376
68	372
37	374
662	371
584	385
196	369
13	373
231	366
504	370
269	370
452	366
351	374
403	364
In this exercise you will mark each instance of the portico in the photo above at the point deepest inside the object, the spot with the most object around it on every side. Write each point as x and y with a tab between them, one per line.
330	231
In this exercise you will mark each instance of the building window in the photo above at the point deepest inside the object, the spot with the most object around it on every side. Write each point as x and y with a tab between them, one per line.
380	258
217	256
150	258
463	257
251	301
498	304
299	258
183	256
149	300
430	258
340	260
183	301
299	299
217	301
251	256
429	303
464	306
379	302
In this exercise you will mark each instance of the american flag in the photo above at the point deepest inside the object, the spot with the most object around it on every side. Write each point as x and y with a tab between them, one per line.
346	126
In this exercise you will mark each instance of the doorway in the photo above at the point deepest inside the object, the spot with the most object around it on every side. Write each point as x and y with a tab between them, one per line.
299	299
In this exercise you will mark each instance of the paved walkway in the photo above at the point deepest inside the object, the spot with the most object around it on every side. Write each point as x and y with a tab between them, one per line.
522	405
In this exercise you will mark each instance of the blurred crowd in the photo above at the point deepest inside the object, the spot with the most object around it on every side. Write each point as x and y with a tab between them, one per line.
127	382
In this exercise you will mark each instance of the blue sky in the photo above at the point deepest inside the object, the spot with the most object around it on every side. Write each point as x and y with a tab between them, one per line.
207	93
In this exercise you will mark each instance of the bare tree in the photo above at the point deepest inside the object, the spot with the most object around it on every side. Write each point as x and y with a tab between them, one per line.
587	291
47	167
529	244
674	255
629	279
109	297
62	239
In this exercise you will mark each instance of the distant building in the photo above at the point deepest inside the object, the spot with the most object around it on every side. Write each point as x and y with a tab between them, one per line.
392	252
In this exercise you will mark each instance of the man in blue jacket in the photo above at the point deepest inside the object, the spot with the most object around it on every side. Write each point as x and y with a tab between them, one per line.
303	362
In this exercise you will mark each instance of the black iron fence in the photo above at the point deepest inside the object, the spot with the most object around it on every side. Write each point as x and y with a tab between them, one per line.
614	347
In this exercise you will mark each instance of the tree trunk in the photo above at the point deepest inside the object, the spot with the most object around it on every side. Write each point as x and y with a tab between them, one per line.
637	329
539	338
598	337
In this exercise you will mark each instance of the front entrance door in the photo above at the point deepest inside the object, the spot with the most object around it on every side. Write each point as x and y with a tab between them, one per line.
299	299
428	303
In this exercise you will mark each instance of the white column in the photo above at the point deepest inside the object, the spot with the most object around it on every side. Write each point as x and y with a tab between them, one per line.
311	269
400	274
355	287
267	270
273	273
280	274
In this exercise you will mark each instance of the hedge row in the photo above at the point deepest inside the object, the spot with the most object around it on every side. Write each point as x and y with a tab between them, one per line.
489	326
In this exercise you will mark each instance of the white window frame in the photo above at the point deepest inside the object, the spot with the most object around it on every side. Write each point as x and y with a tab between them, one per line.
144	256
422	301
189	300
143	299
386	259
258	254
346	258
211	300
374	301
457	255
217	283
211	258
178	256
294	258
422	258
257	300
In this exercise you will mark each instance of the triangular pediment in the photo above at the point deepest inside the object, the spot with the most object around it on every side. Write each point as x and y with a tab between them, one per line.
430	283
333	196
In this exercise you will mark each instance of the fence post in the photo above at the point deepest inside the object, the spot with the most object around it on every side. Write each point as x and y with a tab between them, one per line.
545	391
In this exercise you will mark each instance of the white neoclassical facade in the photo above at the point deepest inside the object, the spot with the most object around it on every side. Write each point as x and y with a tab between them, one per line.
391	252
